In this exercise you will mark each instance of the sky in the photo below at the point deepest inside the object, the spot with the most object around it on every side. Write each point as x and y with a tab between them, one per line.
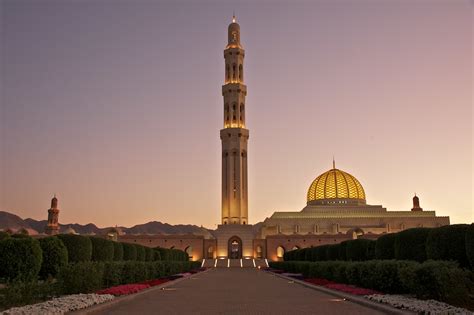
116	105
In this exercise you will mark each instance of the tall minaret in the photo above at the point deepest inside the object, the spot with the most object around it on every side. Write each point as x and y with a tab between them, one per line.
53	214
234	136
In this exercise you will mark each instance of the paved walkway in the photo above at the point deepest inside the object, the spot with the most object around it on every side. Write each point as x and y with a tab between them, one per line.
235	291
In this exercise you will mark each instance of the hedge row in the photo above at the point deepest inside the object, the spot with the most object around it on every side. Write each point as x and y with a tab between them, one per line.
439	280
82	248
25	258
85	277
451	242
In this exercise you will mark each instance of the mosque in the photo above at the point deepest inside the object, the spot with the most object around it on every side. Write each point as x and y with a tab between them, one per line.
336	207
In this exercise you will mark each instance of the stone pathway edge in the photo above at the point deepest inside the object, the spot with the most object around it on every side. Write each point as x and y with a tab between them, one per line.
349	297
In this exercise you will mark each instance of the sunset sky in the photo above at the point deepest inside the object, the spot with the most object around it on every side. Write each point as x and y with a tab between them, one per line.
116	106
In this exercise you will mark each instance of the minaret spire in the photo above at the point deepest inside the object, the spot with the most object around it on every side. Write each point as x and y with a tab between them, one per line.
52	228
234	136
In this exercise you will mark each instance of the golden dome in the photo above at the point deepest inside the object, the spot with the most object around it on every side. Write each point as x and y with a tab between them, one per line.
336	187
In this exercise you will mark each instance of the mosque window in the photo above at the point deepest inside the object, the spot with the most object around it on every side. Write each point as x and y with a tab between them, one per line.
240	72
234	71
227	71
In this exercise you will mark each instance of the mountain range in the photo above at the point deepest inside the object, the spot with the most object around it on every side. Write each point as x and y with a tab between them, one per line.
15	223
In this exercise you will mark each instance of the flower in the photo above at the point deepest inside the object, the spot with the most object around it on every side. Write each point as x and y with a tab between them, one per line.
124	289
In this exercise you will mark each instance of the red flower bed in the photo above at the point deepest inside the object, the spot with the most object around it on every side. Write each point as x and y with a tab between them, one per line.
124	289
341	287
318	281
351	289
154	282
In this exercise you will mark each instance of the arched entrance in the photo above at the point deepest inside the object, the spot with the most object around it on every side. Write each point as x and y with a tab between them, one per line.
280	252
234	248
210	252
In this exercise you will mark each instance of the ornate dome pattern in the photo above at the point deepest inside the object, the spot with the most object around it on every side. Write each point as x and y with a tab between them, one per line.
335	184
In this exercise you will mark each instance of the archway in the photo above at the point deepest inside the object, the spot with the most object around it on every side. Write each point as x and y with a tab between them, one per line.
189	251
280	252
259	251
234	247
210	252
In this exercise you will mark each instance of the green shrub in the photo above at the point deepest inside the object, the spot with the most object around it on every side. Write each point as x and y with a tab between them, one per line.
118	251
79	248
134	271
18	293
410	244
448	243
321	253
332	252
102	249
470	245
358	250
150	254
172	254
439	280
54	256
129	251
342	250
81	277
156	255
141	255
4	235
113	273
385	246
20	259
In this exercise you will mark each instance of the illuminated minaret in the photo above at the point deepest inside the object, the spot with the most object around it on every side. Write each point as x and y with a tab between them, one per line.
53	215
234	136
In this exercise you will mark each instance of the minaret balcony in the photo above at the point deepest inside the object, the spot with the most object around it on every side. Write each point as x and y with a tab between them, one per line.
234	87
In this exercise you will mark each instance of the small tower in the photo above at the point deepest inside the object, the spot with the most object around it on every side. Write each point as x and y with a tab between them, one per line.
53	214
416	204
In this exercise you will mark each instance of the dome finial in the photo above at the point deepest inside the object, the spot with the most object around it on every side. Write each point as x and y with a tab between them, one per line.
233	16
333	163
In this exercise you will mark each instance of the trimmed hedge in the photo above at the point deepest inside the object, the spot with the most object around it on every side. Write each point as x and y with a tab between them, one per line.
470	245
385	246
141	255
102	249
440	280
81	277
54	256
156	254
332	252
448	243
172	254
79	247
118	251
410	244
129	251
86	277
342	250
150	254
451	242
20	259
359	249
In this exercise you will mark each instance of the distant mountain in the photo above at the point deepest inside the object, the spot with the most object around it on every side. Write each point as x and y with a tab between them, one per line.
14	222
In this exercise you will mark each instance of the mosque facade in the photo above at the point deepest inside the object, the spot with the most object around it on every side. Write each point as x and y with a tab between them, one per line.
336	207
